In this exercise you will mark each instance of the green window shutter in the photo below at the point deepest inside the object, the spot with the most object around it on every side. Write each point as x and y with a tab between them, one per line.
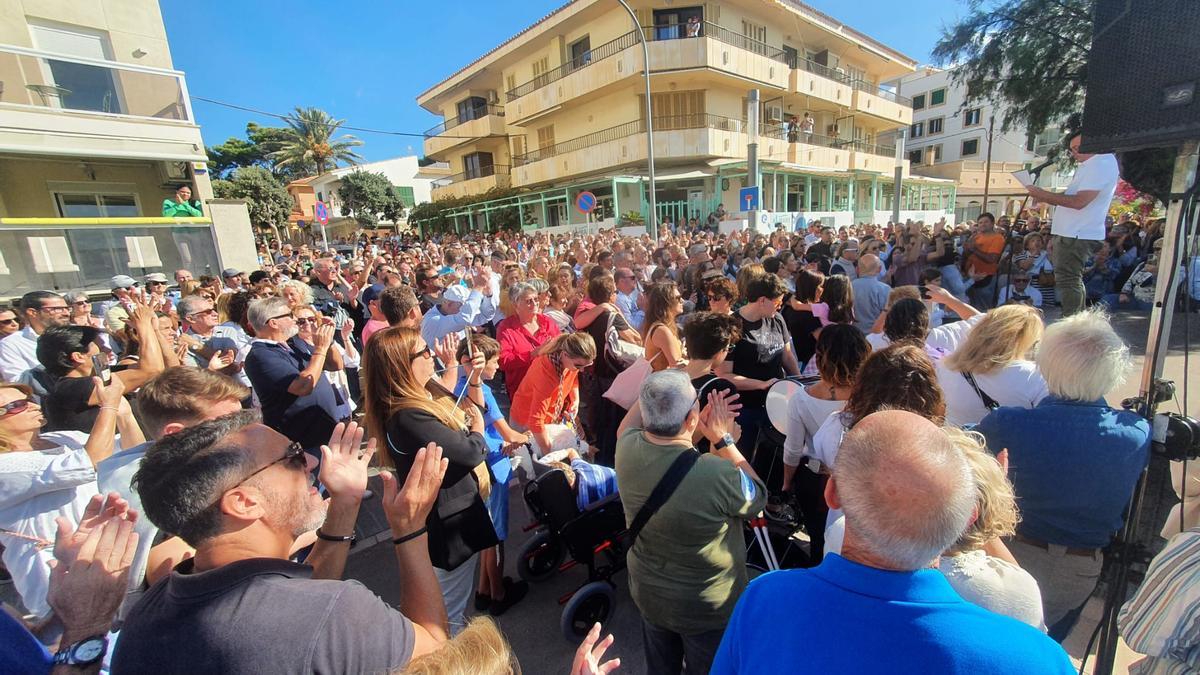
406	196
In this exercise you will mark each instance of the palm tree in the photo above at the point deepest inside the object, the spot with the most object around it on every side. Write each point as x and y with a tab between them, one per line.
311	142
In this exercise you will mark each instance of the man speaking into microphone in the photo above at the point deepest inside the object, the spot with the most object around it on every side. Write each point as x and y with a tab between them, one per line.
1077	228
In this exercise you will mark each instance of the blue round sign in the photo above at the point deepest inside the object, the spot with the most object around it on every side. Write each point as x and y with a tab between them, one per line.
585	202
321	213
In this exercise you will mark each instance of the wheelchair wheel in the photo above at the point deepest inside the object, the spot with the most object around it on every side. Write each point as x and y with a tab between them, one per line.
594	602
540	557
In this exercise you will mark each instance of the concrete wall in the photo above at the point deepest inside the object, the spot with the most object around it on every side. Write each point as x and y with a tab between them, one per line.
233	233
130	25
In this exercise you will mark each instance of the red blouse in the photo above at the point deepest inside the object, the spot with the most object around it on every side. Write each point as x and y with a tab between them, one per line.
517	346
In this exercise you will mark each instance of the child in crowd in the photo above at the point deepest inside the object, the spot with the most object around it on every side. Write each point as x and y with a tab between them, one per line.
500	439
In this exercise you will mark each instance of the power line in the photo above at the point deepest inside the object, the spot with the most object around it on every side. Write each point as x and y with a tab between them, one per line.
287	118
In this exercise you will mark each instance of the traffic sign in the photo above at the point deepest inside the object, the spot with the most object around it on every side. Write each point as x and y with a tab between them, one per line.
321	213
748	198
585	202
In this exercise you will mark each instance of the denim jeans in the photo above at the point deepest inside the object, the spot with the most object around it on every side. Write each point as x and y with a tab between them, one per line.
1112	301
670	653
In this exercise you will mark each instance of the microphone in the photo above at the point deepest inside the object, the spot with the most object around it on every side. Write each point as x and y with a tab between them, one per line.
1036	171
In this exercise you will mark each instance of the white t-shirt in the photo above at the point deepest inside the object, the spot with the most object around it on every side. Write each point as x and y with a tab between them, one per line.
806	413
995	585
1018	384
1100	173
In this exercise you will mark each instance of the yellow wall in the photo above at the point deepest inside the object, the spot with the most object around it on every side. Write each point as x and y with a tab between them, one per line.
130	24
25	191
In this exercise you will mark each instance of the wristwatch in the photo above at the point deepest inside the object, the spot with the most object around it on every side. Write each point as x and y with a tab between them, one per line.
83	653
725	441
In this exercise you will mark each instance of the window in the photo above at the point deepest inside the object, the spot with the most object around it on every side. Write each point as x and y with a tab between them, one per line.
545	137
478	165
918	101
970	147
406	195
914	156
917	130
935	125
937	97
676	109
972	117
96	205
936	152
756	37
581	52
539	71
510	82
518	145
472	108
671	24
86	87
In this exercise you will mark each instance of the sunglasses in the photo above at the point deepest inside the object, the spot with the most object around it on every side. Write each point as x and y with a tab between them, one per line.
306	320
14	407
8	321
424	352
293	455
280	317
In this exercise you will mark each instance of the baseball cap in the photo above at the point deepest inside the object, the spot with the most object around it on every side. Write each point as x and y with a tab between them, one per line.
156	277
229	272
456	293
372	293
122	281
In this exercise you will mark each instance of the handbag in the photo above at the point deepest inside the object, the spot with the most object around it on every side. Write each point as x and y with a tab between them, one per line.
621	354
628	384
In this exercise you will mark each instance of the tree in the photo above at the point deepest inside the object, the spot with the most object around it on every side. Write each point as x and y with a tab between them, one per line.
367	196
1027	56
310	141
266	198
254	150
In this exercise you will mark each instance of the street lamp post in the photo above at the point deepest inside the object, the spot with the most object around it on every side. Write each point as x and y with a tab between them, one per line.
652	218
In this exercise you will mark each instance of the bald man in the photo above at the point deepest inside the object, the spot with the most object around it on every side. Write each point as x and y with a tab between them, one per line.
908	494
870	294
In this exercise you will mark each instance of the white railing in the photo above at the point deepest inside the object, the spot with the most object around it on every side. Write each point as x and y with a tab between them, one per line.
45	80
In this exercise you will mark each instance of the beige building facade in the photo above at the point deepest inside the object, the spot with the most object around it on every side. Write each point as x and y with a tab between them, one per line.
559	108
96	130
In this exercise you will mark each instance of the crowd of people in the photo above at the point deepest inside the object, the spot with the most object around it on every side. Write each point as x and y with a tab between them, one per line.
181	469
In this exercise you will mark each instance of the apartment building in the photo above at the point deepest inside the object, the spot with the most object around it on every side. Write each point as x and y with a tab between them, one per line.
948	138
559	108
96	130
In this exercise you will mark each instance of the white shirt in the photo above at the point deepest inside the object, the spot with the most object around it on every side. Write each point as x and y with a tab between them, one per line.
1034	295
1018	384
939	342
35	488
1099	173
995	585
18	353
805	415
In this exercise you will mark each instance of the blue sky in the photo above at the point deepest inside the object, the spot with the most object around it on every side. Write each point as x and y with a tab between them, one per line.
365	62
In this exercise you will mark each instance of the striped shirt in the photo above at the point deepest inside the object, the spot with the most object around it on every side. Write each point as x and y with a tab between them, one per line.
1162	620
592	482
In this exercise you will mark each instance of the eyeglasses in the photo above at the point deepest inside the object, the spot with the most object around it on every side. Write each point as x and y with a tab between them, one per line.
14	407
204	312
282	316
424	352
304	321
56	308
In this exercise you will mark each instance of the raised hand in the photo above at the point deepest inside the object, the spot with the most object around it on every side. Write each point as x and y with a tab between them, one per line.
446	349
344	462
111	394
87	588
221	360
589	655
100	509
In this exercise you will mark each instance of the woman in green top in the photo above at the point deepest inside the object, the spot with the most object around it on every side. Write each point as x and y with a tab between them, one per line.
181	206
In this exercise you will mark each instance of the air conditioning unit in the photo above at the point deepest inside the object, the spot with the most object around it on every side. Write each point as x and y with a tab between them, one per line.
775	114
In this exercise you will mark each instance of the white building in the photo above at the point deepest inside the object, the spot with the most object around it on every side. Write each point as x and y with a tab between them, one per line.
949	139
414	182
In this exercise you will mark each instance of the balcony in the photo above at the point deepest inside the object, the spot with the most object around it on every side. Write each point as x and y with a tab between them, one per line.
57	104
692	137
477	123
472	183
873	157
814	79
882	103
84	253
715	48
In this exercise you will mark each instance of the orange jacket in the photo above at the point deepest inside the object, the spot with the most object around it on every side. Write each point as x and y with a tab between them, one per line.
544	395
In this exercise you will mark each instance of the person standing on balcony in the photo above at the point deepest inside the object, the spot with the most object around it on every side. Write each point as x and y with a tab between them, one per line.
793	129
806	127
182	206
693	26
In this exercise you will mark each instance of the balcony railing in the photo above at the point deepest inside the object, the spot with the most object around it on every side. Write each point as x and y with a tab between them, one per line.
663	123
30	77
481	172
818	69
84	253
653	34
588	58
476	113
872	148
872	88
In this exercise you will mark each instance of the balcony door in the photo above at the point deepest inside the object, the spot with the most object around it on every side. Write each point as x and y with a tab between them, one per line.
471	108
671	24
76	86
478	165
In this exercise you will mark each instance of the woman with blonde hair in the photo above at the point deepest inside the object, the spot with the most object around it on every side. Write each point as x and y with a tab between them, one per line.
296	293
660	332
479	650
547	402
407	408
979	566
993	367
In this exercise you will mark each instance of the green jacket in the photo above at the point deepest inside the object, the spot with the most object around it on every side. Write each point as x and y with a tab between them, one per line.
173	209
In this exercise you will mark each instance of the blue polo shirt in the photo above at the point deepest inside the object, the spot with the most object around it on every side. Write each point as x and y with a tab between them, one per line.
843	617
272	367
1073	466
22	653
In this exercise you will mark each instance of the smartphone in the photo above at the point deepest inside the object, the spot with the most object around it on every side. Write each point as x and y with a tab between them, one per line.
100	369
924	290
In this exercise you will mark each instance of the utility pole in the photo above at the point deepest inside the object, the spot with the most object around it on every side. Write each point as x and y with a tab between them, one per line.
652	217
898	178
752	111
987	168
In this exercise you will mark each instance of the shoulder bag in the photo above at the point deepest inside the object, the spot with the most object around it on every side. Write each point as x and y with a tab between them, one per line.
988	402
662	491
